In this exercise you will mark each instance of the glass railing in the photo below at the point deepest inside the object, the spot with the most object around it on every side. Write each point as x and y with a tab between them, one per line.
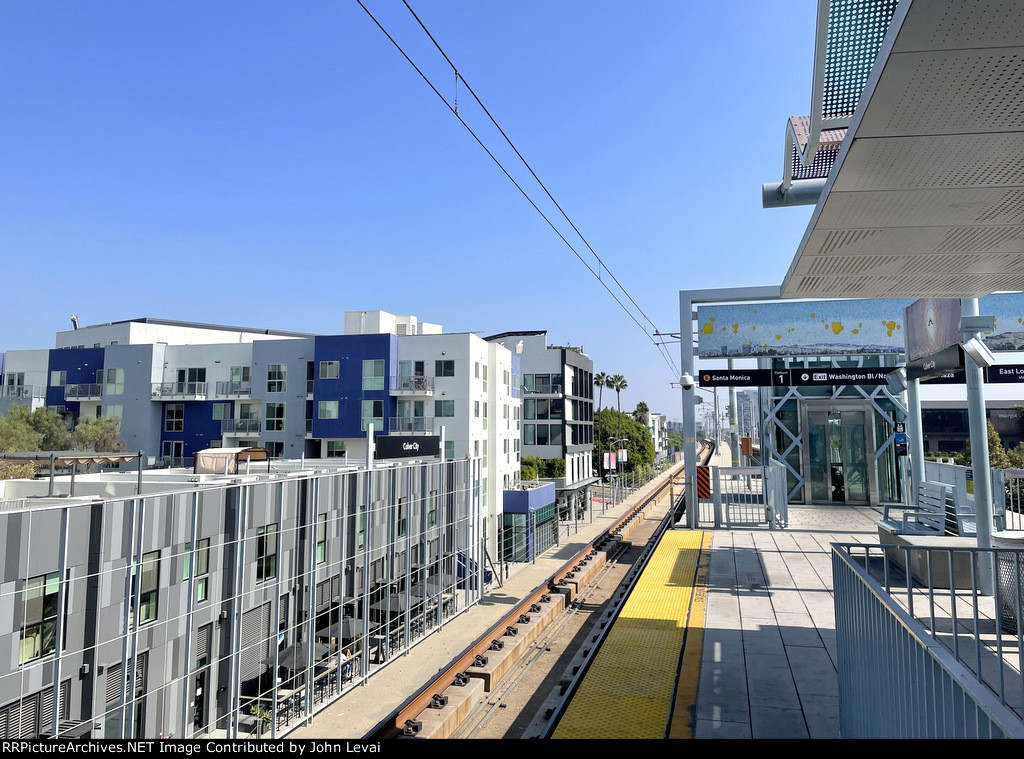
412	384
179	389
543	388
411	424
82	391
234	388
22	391
240	426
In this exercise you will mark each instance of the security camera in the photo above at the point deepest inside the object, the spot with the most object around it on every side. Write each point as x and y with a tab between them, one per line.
687	381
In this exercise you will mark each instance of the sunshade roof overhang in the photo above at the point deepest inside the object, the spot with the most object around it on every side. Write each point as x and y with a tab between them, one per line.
926	196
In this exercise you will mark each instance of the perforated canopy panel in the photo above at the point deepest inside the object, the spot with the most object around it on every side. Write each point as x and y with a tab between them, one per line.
926	197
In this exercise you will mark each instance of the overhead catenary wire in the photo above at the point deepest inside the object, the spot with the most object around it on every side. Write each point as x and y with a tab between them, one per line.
454	110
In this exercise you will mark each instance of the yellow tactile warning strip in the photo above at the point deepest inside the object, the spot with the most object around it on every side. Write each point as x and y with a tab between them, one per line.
629	688
683	712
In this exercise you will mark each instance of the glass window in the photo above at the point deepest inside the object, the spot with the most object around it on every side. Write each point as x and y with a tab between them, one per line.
542	434
241	374
58	379
373	412
529	434
401	514
555	432
335	449
444	408
321	539
373	374
476	369
221	411
174	417
328	410
38	602
149	591
277	376
266	553
329	369
529	409
275	416
115	382
432	507
444	368
476	408
114	411
275	448
202	568
449	450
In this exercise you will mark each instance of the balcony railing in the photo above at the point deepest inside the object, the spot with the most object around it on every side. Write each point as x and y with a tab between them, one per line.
234	388
412	385
22	391
546	389
240	426
173	462
424	424
194	390
82	392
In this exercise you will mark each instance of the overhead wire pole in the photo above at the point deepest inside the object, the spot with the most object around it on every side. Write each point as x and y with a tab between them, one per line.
480	142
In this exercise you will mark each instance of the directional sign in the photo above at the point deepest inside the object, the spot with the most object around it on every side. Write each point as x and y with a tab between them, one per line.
1005	373
830	376
735	378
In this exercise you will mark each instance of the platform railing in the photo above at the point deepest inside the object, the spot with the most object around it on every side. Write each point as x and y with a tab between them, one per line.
921	653
746	496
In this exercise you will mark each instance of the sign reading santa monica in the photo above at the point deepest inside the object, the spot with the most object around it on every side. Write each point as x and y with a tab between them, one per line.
834	327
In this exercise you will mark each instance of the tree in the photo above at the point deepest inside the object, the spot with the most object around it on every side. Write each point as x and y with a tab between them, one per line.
997	456
25	431
17	433
98	433
638	443
641	413
618	384
600	382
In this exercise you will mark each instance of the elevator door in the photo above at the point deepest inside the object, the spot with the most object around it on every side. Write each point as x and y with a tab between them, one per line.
838	456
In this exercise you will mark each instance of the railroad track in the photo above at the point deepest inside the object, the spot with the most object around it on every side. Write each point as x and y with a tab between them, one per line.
596	562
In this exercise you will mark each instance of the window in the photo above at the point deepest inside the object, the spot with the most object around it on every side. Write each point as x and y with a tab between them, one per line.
444	408
275	449
321	539
485	416
328	410
444	368
335	449
241	374
449	450
174	417
149	590
373	412
476	369
373	374
361	536
266	553
542	434
58	379
221	411
485	378
476	448
504	377
432	507
201	562
329	369
476	408
250	411
38	601
277	376
115	382
114	411
275	417
529	434
401	518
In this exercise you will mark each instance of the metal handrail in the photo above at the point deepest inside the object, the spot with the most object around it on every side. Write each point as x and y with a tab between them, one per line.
240	425
168	389
411	424
83	391
412	384
234	388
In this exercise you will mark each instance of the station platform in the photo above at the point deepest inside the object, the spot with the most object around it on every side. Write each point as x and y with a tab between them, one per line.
761	625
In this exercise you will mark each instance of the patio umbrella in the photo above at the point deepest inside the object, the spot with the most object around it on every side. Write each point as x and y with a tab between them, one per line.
295	656
394	604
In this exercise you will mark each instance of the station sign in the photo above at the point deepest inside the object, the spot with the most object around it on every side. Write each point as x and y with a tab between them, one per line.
946	361
1005	373
794	377
406	446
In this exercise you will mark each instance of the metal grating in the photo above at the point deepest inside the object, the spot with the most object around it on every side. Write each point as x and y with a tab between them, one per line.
855	32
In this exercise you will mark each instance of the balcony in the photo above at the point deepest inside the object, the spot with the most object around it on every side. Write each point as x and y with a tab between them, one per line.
22	392
543	389
240	426
412	385
411	424
234	388
189	391
83	392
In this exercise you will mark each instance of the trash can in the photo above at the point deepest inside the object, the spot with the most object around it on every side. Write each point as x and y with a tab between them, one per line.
1009	576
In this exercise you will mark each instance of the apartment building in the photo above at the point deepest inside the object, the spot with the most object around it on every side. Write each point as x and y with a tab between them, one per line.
557	408
224	606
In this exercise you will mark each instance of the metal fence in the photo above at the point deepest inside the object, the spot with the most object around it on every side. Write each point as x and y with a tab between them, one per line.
1007	491
921	653
746	497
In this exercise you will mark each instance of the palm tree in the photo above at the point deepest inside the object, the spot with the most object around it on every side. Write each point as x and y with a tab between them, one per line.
601	380
617	383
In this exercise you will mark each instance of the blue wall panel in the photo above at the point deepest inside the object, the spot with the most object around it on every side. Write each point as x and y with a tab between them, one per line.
350	351
199	428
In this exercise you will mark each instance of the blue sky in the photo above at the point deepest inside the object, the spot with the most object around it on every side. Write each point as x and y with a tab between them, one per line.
274	164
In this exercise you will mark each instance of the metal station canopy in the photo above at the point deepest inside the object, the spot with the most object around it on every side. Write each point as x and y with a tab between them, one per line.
926	195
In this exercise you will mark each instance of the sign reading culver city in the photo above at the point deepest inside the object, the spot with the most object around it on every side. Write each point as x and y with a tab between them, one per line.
406	446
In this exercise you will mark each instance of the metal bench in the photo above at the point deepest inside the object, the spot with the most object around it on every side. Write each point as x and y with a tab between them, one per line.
927	517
